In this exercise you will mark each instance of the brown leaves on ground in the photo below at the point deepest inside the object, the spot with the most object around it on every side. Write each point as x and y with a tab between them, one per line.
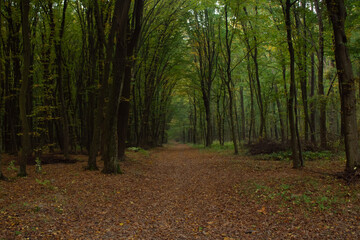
181	193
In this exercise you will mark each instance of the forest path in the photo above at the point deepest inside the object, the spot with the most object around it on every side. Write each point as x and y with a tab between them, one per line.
187	194
176	192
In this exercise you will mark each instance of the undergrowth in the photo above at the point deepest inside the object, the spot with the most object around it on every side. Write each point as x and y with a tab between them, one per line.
138	149
307	155
227	147
308	194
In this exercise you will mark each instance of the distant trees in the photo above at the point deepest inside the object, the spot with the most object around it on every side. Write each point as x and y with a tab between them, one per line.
203	35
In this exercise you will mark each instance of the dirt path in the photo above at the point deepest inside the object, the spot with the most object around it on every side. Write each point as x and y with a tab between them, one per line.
175	193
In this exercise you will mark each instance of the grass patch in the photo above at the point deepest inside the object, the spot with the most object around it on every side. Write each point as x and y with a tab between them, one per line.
139	150
308	194
307	155
227	147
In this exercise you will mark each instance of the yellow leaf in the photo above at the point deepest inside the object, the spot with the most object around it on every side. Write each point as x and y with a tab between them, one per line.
121	224
262	210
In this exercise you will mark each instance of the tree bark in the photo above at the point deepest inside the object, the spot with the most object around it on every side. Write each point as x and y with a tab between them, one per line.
111	164
228	42
99	113
337	12
303	68
59	62
2	177
322	100
123	115
242	113
297	163
25	137
312	105
280	112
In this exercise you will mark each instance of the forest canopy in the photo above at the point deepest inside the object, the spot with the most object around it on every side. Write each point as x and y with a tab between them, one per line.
97	77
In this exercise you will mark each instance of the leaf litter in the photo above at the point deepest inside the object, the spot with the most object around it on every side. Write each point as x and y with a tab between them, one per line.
177	192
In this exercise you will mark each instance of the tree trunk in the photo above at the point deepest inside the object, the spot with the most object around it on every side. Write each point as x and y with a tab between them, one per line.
208	139
99	113
2	177
322	100
111	164
59	62
25	137
195	121
303	69
123	114
337	12
124	107
312	105
294	144
242	113
228	42
280	112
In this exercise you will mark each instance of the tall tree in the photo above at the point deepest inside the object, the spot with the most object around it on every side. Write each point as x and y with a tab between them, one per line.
227	55
110	158
60	84
133	34
25	137
206	61
103	82
322	110
2	177
337	12
297	161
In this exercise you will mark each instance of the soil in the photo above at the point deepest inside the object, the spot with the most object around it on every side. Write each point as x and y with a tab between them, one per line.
177	192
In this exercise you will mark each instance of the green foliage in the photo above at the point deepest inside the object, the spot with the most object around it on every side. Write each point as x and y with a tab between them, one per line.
11	166
139	149
227	147
46	183
307	155
38	167
315	198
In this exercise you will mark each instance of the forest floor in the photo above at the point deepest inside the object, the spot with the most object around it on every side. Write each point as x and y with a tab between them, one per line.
178	192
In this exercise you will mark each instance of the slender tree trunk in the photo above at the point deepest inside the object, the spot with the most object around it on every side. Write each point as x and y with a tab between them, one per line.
59	63
257	87
337	12
303	69
219	118
280	112
322	100
294	145
228	82
312	105
195	121
242	113
2	177
208	140
262	131
25	137
252	110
